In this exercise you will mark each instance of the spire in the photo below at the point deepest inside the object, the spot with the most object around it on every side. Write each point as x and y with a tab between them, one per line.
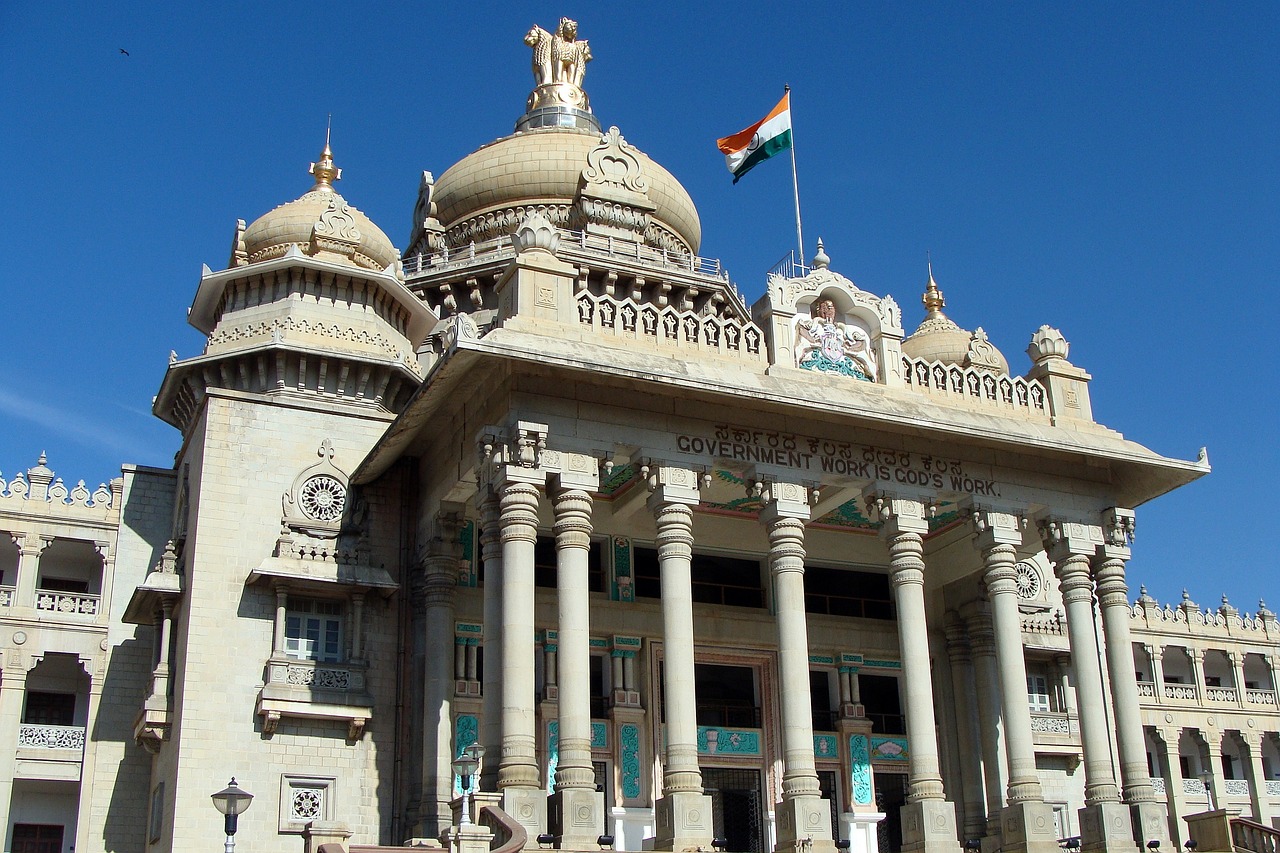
324	170
932	299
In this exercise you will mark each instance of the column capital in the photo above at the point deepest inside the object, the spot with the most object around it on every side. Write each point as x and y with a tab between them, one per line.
994	526
1118	526
1154	650
572	470
668	484
783	500
899	513
512	454
1063	538
958	647
572	509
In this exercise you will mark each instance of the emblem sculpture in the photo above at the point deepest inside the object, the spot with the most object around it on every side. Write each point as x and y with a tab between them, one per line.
829	346
559	64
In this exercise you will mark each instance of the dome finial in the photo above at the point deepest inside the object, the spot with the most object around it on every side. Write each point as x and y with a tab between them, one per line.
820	260
324	170
932	299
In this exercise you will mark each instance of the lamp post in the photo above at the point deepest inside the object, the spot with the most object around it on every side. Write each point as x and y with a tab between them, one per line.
231	801
466	765
1207	778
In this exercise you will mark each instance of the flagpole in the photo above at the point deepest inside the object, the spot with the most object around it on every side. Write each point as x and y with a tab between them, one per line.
795	183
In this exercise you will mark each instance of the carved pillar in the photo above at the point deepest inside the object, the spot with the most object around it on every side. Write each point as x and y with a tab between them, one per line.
577	810
982	643
1175	797
1196	658
683	813
1105	823
439	585
928	819
1255	775
1155	653
1027	823
278	628
13	688
1149	818
108	570
491	685
1273	666
1237	675
30	547
803	816
968	726
518	774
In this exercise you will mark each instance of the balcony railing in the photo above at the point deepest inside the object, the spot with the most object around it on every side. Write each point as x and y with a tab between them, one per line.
69	603
6	597
1054	724
1260	697
36	736
1180	691
1220	694
1147	689
1236	787
1273	787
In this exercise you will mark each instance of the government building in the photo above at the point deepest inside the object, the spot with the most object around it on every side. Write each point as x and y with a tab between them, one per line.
674	571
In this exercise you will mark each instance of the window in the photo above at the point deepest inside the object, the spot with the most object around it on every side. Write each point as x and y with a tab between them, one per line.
824	717
544	565
884	709
313	630
726	695
50	709
599	664
37	838
1212	681
157	814
1038	693
841	592
1184	767
64	585
715	579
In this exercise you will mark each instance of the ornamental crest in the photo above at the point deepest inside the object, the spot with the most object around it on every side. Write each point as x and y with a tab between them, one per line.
824	344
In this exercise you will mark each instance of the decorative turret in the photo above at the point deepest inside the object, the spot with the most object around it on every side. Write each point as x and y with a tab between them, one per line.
941	340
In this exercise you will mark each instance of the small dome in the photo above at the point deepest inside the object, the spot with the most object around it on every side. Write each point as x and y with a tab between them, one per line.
479	197
939	339
321	224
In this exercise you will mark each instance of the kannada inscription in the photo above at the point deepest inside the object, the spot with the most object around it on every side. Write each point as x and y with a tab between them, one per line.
842	458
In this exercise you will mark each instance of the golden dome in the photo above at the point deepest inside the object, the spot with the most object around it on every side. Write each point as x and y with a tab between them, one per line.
487	193
321	224
939	339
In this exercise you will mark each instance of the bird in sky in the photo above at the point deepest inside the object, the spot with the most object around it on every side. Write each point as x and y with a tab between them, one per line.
125	52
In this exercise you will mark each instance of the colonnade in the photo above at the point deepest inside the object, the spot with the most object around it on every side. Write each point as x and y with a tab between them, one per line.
517	471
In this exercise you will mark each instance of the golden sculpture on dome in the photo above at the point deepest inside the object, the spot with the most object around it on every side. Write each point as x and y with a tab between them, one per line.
559	64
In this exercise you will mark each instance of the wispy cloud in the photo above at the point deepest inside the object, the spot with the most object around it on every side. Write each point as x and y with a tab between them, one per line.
71	424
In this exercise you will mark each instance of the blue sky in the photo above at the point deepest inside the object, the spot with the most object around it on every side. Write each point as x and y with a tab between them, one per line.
1108	168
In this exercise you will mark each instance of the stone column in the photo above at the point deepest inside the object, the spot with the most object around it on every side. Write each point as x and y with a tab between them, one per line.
1273	666
928	819
523	796
439	585
968	726
1196	658
577	810
1026	821
96	670
1150	820
491	684
13	689
1258	799
1104	821
803	816
1156	653
1175	799
683	813
30	547
1237	675
982	643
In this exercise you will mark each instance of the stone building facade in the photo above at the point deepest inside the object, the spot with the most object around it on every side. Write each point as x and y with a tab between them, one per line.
689	569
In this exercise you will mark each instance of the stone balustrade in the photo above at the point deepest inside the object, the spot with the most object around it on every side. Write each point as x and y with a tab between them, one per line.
35	736
67	603
1013	394
6	597
1260	697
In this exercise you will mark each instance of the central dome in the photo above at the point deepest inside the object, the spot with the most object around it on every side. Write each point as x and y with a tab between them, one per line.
487	193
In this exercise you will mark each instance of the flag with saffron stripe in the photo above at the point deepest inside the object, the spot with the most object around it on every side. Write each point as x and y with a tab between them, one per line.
753	145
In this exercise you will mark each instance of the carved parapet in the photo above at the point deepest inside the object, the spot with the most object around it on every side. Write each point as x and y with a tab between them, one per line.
1066	385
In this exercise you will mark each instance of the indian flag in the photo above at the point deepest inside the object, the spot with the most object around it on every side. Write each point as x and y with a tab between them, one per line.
771	135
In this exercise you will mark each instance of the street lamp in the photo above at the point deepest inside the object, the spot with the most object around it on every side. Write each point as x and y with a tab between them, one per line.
466	765
232	801
1207	777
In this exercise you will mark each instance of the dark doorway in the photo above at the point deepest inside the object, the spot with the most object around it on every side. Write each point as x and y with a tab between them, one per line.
735	805
891	795
37	838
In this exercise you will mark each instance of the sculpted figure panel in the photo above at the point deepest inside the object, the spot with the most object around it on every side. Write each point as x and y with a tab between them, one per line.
827	345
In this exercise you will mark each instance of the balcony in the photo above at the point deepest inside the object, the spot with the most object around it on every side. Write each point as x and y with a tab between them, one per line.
49	752
6	597
1260	697
309	689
